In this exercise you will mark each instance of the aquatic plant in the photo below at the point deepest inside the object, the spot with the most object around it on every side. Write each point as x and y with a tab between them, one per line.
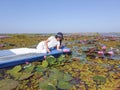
57	79
8	84
51	60
77	72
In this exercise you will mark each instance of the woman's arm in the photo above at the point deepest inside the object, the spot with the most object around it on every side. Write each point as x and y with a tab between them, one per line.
58	47
46	45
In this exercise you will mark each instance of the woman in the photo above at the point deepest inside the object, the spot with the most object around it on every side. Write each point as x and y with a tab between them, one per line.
51	42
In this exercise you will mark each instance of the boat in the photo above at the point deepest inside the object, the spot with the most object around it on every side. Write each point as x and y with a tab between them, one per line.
17	56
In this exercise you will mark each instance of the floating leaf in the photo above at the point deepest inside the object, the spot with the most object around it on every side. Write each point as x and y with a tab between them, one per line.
25	76
83	58
38	74
16	69
67	77
44	63
40	69
84	48
45	85
56	74
64	85
8	84
15	72
29	69
51	60
54	81
61	58
99	79
50	87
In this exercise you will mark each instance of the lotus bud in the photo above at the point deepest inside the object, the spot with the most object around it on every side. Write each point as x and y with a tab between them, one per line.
44	57
26	62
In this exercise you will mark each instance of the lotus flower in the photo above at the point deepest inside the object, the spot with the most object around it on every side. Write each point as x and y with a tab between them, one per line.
66	50
111	52
81	41
26	62
44	57
100	52
104	47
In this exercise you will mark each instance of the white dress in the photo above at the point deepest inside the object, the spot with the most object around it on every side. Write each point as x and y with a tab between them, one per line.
41	47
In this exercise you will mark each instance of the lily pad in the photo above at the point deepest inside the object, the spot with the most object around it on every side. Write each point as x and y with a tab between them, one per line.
61	58
67	77
16	69
84	48
56	74
15	72
51	60
45	85
44	64
64	85
99	79
40	69
53	81
29	69
8	84
50	87
25	76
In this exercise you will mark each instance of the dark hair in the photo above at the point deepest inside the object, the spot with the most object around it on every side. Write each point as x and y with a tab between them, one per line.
59	35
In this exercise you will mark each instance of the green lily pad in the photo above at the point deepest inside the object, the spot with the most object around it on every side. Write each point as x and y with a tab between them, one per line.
16	69
56	74
8	84
51	60
50	87
64	85
25	76
45	85
99	79
40	69
44	63
15	72
67	77
84	48
29	69
53	81
61	58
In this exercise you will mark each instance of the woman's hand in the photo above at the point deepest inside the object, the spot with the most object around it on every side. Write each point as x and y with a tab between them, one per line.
59	49
48	50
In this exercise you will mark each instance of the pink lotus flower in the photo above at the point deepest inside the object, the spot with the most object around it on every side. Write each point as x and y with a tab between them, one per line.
65	50
81	41
104	47
100	52
26	62
44	57
111	52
